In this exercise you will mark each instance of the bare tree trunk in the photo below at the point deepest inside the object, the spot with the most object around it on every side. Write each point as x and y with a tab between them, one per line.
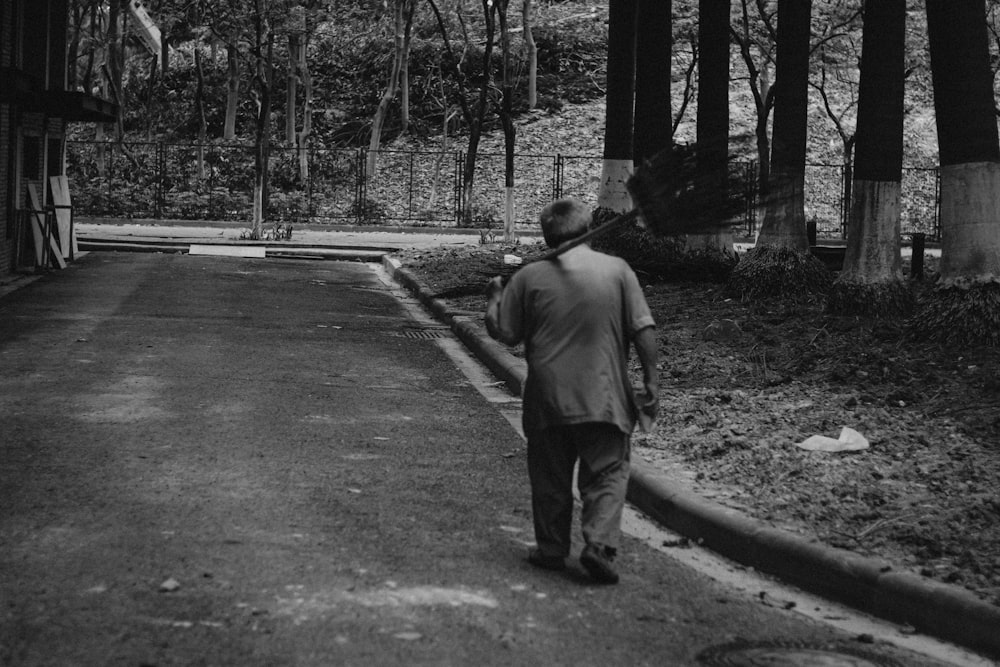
507	120
473	118
617	163
871	281
88	73
115	55
264	39
653	122
199	101
164	52
291	86
476	130
390	89
439	161
532	48
150	98
967	141
73	48
232	91
712	142
784	219
404	69
307	95
760	88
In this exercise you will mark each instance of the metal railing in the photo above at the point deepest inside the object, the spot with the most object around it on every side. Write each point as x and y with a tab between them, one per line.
215	182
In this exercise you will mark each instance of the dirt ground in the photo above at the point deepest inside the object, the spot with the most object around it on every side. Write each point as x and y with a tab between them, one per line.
736	401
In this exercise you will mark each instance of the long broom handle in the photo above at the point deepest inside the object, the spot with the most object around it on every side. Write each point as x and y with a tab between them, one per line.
612	224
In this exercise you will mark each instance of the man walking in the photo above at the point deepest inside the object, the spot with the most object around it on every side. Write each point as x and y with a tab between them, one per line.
577	314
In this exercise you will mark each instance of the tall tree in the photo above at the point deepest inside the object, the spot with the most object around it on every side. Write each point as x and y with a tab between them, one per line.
473	116
263	52
296	30
653	128
230	24
114	64
784	217
834	78
402	22
305	77
780	261
871	281
232	87
506	116
613	195
712	122
969	292
531	52
755	36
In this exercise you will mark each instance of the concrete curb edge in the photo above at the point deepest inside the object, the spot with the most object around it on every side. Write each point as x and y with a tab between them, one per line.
939	610
271	251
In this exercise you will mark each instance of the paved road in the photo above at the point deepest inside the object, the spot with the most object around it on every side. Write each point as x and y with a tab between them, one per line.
224	461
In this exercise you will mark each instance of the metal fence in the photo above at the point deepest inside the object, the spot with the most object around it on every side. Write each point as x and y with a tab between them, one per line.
215	182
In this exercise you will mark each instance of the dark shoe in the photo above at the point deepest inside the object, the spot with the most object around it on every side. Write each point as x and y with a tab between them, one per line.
597	561
538	559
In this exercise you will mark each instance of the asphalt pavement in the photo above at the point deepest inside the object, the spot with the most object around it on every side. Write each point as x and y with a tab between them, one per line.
220	460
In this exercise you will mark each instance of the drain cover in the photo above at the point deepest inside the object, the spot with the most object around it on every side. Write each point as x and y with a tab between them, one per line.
790	654
423	333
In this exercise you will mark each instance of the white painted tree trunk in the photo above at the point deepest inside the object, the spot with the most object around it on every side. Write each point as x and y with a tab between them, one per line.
970	222
508	215
613	194
872	254
258	209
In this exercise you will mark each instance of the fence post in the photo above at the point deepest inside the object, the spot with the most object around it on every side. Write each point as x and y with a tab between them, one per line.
109	169
459	191
557	176
211	180
917	257
161	168
750	196
937	204
845	199
409	195
310	165
361	188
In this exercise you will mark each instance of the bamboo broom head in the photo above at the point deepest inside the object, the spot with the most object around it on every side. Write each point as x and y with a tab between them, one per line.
674	198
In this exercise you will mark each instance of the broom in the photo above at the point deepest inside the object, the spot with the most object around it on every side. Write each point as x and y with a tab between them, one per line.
670	199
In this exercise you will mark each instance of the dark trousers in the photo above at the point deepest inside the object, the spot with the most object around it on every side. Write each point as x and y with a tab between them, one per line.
603	452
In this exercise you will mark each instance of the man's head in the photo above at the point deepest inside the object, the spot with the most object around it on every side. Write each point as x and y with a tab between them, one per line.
563	220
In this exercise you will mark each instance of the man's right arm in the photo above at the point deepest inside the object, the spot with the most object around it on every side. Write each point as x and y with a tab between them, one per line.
494	295
647	350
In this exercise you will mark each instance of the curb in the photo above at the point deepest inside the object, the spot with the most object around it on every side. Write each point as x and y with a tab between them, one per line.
870	585
342	253
511	370
533	231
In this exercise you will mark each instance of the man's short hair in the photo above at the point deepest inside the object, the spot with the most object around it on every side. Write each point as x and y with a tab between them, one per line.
563	220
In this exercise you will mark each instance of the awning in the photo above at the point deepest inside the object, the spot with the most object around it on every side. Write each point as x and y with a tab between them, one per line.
70	105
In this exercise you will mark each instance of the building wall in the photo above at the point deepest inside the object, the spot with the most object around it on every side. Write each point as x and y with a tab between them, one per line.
6	210
31	144
33	116
6	121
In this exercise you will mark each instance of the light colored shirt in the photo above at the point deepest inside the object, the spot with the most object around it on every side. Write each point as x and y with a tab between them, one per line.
576	314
